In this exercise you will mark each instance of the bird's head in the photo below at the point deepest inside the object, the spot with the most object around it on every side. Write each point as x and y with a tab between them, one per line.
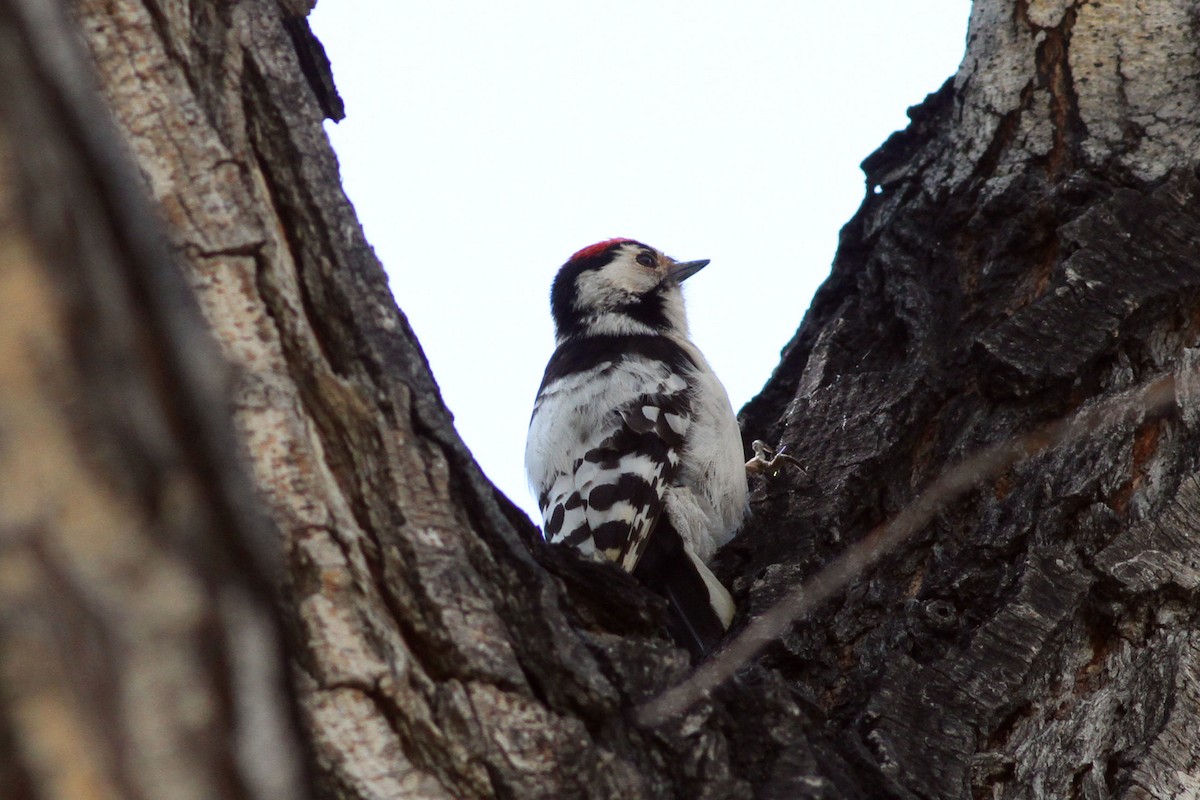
620	287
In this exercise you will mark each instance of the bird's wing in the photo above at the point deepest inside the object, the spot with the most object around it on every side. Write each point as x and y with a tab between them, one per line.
607	496
611	498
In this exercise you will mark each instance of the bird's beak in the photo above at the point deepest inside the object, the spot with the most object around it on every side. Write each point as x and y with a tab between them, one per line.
681	271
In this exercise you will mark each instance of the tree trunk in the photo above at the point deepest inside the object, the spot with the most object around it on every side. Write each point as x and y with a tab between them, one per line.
140	655
1024	254
1027	251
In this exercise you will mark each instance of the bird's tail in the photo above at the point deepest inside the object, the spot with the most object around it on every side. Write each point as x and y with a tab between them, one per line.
700	608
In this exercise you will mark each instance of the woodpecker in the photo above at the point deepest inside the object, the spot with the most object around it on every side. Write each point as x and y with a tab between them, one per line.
634	451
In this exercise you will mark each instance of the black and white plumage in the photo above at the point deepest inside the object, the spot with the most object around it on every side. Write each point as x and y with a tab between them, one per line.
633	450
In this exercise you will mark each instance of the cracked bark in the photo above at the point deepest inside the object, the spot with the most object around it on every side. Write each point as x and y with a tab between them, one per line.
1025	250
139	652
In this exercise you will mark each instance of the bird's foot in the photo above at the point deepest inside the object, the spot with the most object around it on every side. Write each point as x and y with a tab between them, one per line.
767	459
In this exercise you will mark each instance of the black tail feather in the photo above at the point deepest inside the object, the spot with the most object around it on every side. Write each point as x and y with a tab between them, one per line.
667	570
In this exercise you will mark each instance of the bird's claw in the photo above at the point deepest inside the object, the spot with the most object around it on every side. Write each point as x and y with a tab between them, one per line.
766	458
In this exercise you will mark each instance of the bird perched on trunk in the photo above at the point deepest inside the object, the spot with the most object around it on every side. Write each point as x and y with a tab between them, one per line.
633	449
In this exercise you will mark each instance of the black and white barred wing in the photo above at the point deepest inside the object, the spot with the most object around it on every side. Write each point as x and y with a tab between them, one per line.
610	498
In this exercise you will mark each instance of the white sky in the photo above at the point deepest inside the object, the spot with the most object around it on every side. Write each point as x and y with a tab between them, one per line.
486	142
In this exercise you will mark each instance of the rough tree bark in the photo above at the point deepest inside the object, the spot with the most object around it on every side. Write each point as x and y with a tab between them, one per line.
139	652
1028	250
1024	252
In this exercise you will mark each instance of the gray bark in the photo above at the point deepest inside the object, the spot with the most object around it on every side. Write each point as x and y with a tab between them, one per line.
1030	252
140	655
1024	252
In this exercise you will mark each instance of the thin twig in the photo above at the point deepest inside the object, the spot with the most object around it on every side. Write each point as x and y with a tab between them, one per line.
989	463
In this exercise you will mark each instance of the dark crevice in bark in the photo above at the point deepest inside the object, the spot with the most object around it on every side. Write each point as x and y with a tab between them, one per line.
1002	139
1054	72
315	66
351	450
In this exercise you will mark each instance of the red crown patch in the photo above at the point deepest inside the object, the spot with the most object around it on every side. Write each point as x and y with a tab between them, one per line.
597	248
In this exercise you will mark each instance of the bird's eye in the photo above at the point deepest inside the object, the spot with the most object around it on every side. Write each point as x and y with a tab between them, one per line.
645	259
